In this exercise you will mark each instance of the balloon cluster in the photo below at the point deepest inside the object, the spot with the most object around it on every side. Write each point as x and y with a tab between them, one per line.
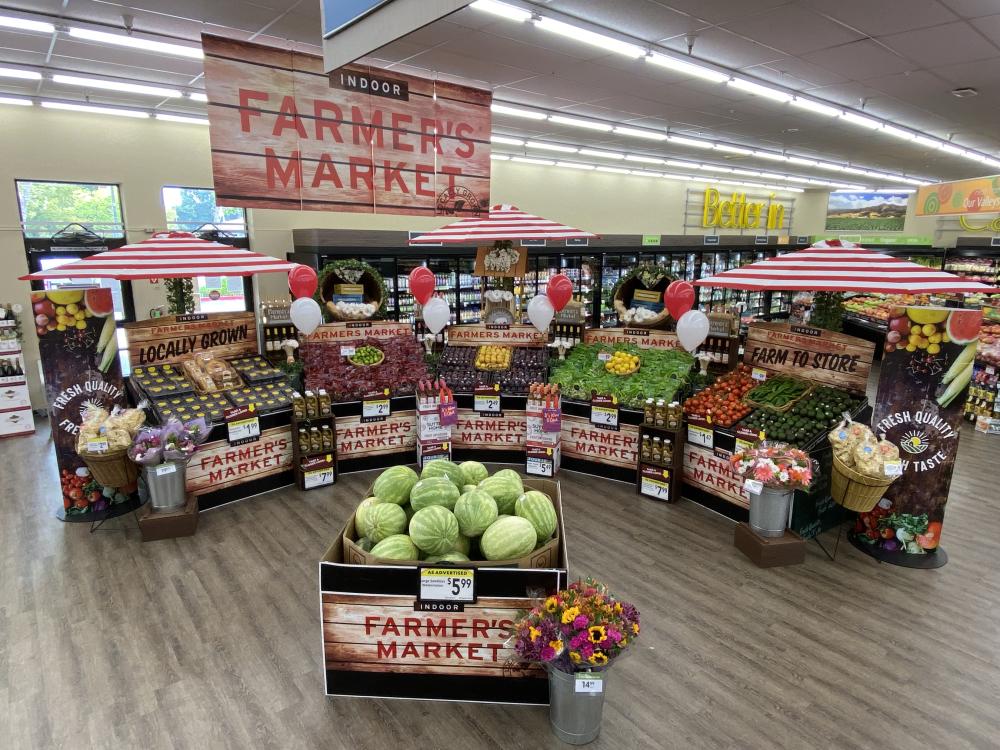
692	325
543	307
436	312
304	312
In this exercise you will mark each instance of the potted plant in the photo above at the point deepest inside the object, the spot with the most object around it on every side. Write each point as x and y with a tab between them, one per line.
576	634
773	471
163	453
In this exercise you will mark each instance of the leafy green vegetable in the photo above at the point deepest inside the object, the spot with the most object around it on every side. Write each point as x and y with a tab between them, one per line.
908	522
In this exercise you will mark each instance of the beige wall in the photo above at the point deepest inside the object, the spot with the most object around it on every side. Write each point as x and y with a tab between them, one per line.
144	155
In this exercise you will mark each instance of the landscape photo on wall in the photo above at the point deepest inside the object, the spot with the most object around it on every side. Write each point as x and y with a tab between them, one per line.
861	211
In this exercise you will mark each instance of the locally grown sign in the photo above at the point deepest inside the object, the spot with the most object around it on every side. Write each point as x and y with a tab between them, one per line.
169	340
286	135
812	353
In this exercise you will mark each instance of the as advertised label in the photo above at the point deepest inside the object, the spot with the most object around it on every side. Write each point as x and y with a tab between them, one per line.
319	471
375	406
486	400
747	438
446	584
589	682
604	411
654	482
243	424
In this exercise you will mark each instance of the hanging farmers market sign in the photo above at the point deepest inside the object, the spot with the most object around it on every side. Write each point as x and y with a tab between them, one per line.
169	340
513	335
919	408
978	195
285	135
364	329
738	212
643	338
812	353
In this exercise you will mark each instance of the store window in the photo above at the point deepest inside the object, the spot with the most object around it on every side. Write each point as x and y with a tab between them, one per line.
48	207
193	209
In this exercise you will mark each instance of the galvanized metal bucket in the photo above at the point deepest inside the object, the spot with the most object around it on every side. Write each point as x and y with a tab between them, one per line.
165	485
574	713
770	510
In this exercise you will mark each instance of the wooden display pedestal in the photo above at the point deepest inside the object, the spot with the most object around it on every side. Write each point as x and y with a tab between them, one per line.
169	524
789	549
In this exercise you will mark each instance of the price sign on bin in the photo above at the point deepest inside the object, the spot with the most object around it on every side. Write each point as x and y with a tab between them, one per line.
446	589
376	406
604	411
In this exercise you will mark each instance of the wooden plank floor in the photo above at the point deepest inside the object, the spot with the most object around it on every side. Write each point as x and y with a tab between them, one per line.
214	641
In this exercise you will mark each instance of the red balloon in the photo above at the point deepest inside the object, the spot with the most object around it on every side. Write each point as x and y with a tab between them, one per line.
422	283
559	290
679	298
302	281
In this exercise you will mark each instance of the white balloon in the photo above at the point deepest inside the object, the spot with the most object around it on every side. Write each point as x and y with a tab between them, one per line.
436	314
305	314
540	312
692	329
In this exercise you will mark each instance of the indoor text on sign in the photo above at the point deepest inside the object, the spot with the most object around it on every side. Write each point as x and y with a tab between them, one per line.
739	213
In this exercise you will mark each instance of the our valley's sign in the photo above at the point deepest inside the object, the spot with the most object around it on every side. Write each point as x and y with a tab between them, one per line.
286	135
740	212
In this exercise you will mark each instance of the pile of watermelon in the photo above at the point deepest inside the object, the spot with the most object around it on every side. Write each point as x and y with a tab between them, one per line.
451	511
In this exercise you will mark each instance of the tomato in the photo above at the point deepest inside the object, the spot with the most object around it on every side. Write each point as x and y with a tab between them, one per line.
888	534
932	537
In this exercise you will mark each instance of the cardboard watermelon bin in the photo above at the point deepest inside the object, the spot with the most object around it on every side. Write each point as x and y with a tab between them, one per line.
381	640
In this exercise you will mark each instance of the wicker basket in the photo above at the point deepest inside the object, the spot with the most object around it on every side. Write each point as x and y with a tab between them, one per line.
623	300
112	469
372	293
855	491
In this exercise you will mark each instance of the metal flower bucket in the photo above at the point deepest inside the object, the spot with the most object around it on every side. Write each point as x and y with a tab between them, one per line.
576	705
770	510
165	485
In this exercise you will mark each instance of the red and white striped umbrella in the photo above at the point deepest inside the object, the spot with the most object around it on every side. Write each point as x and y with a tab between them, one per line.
173	255
503	222
835	266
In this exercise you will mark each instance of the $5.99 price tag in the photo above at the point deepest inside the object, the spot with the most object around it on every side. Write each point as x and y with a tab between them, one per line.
448	585
590	682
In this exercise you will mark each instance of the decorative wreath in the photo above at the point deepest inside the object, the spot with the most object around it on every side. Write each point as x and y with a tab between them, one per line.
646	273
351	270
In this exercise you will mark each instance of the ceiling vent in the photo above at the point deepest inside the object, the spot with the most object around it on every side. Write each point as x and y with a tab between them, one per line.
965	92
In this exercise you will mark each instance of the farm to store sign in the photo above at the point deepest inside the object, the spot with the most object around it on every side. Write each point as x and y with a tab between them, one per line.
286	135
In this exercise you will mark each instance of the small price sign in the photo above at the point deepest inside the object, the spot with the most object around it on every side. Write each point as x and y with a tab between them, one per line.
97	446
242	424
445	585
701	435
486	400
375	406
348	350
893	469
589	682
753	486
604	411
540	461
319	471
759	373
655	482
164	469
603	356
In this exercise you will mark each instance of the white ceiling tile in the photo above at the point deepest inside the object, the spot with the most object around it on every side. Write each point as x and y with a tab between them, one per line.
861	60
972	8
879	17
989	25
794	30
797	69
722	11
649	21
981	74
942	45
723	47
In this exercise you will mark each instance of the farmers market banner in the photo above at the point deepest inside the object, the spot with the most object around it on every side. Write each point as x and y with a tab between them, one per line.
79	353
287	135
921	397
643	338
978	195
509	335
366	329
219	465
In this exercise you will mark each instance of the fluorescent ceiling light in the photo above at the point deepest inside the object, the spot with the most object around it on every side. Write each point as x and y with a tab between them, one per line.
694	142
770	155
732	149
148	45
601	154
196	97
527	160
830	166
644	173
923	140
552	147
792	178
95	110
580	123
15	100
811	106
503	109
991	163
508	141
906	135
865	122
590	37
502	9
684	177
803	162
499	157
682	164
613	170
952	149
26	24
644	159
183	119
650	134
855	170
747	172
130	88
29	75
713	168
757	90
682	66
772	176
574	165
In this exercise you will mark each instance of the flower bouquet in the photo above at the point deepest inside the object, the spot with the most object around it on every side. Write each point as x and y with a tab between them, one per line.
775	465
163	453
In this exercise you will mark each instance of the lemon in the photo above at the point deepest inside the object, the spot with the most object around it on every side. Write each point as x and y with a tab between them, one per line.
929	329
911	347
935	338
81	324
72	307
61	327
933	348
923	316
60	310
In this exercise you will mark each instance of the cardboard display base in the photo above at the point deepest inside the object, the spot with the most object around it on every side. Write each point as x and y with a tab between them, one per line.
170	524
769	552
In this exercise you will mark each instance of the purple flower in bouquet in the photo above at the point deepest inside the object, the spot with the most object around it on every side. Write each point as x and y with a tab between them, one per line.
147	448
581	622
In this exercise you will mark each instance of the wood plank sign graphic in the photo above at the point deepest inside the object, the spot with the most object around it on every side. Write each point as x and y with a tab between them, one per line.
818	355
287	135
169	340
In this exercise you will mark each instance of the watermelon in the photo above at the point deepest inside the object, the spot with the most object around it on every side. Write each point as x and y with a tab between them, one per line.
365	543
467	487
442	467
408	509
99	303
475	511
512	475
452	557
503	490
963	326
537	508
361	515
396	547
434	491
394	484
508	538
463	545
434	530
384	520
473	471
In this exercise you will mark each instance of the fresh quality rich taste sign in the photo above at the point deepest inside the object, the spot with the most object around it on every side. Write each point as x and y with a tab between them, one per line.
287	135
